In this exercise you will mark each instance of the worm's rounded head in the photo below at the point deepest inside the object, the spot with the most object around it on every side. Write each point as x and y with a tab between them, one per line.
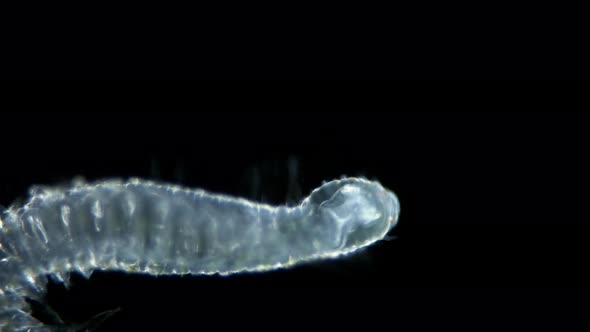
360	211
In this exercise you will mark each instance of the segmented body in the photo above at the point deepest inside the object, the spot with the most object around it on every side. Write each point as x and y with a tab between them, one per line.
142	226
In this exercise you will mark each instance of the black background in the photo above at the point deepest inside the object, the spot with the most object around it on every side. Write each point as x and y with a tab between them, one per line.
491	184
402	40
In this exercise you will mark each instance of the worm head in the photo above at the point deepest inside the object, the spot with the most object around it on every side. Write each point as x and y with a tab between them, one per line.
360	210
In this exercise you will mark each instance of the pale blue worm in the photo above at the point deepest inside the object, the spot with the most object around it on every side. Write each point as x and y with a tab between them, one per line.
142	226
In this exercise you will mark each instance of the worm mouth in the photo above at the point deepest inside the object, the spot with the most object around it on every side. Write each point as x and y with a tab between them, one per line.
393	217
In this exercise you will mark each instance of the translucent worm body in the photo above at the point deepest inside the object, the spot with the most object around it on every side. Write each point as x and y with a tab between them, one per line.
141	226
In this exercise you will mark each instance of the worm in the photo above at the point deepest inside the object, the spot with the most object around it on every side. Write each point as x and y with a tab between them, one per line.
156	228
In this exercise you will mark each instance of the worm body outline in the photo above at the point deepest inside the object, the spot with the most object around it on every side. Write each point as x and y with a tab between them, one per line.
156	228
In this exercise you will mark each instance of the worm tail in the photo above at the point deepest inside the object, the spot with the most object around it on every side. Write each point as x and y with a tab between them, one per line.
15	283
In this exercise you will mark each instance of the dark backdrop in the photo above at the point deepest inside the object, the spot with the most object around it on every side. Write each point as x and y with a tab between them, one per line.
490	235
